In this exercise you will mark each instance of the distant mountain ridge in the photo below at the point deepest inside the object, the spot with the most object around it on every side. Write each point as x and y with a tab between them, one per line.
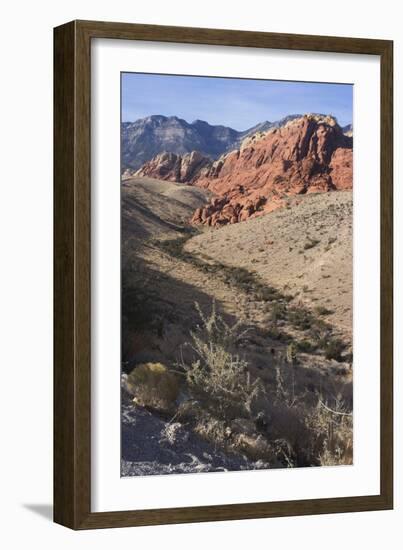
147	137
348	130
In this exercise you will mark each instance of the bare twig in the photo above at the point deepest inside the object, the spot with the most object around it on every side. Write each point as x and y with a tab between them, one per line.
333	411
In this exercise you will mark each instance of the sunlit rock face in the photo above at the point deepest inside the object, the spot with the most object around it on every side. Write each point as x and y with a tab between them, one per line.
309	154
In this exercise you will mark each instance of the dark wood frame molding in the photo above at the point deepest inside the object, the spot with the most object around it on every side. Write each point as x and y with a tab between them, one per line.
72	320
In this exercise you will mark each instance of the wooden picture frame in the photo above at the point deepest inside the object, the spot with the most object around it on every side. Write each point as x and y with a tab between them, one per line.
72	269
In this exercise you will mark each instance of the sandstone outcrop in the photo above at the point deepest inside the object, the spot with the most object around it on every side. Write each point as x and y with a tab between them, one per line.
173	167
309	154
143	139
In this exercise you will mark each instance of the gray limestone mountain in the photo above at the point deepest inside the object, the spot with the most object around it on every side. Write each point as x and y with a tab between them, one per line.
147	137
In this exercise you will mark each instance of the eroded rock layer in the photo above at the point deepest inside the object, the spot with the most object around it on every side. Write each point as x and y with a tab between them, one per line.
308	155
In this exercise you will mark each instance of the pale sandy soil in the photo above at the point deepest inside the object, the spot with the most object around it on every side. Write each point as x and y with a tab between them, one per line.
276	247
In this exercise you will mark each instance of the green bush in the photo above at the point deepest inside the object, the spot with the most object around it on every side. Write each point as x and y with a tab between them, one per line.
291	353
334	348
321	310
311	244
278	311
306	346
300	318
275	334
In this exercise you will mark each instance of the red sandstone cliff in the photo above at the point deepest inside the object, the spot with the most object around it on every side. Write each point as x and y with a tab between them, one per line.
309	154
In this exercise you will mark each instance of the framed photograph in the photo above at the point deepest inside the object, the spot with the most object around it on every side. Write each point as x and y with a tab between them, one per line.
222	276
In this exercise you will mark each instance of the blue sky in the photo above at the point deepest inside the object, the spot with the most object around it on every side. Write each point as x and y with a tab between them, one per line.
238	103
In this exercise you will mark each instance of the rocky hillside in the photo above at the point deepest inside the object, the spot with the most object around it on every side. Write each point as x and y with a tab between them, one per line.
308	154
154	208
348	130
147	137
269	299
172	167
304	247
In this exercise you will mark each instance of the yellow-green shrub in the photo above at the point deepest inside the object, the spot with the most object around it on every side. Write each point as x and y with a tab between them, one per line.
154	386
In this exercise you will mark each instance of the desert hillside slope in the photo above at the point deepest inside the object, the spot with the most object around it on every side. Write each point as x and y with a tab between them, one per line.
271	297
304	248
299	257
238	336
152	207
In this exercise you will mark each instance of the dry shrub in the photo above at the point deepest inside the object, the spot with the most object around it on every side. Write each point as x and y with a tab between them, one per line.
217	375
333	432
212	429
174	432
153	386
255	447
317	427
301	427
240	438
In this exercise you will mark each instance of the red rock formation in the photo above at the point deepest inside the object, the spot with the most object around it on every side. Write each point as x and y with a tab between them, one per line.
308	155
173	167
341	168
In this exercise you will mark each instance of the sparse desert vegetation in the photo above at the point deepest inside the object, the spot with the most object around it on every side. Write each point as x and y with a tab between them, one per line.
229	353
236	275
278	421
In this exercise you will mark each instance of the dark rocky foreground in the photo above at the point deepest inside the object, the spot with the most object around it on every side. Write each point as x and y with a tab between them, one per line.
152	445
